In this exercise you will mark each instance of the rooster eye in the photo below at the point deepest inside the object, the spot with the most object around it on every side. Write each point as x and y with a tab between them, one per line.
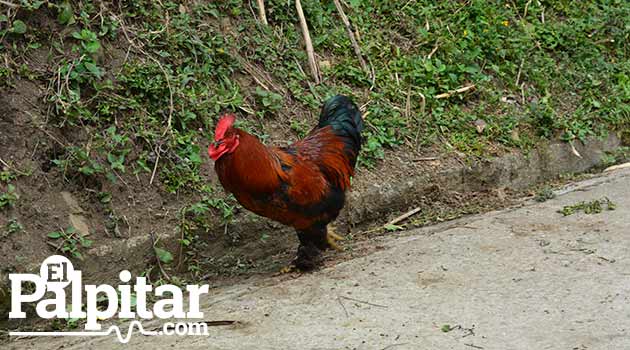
217	143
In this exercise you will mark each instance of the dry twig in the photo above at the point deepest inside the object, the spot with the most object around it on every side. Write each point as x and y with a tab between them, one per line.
353	40
310	52
157	160
403	216
520	70
13	168
457	91
261	11
362	301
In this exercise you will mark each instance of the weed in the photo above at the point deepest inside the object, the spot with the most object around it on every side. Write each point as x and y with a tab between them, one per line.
269	101
545	194
70	242
592	207
164	255
620	155
12	227
8	198
6	175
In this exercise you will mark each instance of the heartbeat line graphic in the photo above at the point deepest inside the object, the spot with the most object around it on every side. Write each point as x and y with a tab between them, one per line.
115	329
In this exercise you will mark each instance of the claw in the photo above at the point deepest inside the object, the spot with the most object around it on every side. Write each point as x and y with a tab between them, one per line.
332	238
288	269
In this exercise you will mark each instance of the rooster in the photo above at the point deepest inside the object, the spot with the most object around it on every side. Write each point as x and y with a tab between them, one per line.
302	185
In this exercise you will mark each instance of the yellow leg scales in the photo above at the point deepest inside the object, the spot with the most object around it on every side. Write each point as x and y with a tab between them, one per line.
332	238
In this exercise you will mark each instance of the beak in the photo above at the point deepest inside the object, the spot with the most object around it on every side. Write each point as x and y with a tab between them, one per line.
217	143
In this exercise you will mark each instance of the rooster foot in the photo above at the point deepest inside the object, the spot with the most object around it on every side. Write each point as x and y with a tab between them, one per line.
332	238
289	269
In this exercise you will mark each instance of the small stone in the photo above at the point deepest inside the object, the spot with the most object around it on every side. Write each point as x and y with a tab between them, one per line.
72	203
480	125
79	222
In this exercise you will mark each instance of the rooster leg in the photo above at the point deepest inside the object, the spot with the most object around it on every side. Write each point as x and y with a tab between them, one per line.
312	243
309	251
332	238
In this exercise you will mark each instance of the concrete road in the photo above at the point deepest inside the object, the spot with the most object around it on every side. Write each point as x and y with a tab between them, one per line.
526	278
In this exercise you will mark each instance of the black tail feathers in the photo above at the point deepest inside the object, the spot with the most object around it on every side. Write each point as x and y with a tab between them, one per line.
345	118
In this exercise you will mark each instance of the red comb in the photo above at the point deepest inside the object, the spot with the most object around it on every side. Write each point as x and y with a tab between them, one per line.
223	125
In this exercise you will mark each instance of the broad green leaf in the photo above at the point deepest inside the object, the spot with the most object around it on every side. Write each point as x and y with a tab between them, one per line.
54	235
66	15
19	27
92	68
92	46
164	255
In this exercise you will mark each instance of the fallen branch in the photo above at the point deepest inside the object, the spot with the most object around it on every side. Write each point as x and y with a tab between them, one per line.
261	11
353	40
457	91
310	52
403	216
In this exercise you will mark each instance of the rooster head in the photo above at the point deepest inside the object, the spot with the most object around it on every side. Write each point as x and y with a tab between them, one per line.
225	138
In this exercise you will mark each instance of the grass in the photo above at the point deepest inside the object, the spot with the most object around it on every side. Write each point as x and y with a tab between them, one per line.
540	70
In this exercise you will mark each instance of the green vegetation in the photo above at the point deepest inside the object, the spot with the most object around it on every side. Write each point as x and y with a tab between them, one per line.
544	194
593	207
8	198
12	227
71	242
620	155
446	328
143	83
